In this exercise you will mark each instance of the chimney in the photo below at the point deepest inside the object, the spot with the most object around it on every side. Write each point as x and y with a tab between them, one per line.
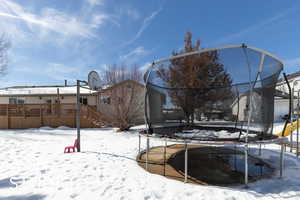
66	83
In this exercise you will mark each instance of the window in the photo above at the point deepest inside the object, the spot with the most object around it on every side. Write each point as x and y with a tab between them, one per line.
83	100
105	100
20	101
14	100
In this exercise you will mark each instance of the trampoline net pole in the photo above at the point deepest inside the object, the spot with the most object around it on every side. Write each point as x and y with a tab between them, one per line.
251	86
185	163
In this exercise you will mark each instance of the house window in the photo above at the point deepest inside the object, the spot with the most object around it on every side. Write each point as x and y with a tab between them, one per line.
49	101
83	100
14	100
105	100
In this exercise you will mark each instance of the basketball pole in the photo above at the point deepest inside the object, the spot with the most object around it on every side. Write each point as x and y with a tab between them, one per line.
78	85
78	114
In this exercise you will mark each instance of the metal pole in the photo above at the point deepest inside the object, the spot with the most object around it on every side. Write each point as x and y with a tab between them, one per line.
297	149
185	163
139	143
291	120
147	153
78	115
165	151
281	160
259	152
246	164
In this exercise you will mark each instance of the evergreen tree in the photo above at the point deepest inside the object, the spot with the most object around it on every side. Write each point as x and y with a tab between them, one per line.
200	80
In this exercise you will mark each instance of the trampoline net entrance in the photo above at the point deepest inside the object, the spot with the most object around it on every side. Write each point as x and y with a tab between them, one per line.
213	94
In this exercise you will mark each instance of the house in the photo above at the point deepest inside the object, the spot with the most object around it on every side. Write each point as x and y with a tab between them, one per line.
281	107
46	95
36	106
123	100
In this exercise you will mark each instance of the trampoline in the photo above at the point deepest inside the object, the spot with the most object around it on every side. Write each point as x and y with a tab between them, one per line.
217	96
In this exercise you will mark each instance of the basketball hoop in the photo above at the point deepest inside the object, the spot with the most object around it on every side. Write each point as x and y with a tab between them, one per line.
94	81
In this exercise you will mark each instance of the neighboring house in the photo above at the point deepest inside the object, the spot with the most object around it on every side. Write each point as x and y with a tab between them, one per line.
260	105
281	107
46	95
36	106
123	100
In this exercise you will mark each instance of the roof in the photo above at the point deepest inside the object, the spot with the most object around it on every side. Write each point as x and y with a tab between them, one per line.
289	77
43	90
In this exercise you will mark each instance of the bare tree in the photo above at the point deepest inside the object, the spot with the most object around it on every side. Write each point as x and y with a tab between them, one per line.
4	47
126	96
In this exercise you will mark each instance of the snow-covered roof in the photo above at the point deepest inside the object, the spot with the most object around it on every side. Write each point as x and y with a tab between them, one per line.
43	90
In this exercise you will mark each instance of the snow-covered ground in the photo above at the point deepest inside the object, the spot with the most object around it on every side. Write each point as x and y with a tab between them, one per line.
34	167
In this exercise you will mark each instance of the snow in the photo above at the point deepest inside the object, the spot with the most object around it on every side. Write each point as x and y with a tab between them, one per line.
33	160
210	134
44	90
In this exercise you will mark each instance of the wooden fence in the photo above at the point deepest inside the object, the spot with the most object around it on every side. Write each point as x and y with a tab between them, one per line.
20	116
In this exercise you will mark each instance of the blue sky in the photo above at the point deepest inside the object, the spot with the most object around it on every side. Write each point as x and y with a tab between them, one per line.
53	40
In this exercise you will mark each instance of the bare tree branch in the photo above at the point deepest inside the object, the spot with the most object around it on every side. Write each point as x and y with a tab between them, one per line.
126	96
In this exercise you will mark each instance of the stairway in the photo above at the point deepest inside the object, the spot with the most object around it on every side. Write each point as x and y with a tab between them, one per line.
91	114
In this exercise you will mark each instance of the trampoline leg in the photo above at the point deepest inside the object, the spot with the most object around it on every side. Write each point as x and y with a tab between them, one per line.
185	163
281	160
291	121
297	148
147	154
291	141
246	165
139	143
165	151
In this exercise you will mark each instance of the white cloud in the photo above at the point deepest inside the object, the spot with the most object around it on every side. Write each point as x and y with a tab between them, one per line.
145	24
95	2
138	51
48	21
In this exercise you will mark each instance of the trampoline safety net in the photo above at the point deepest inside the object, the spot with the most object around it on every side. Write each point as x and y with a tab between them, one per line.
213	94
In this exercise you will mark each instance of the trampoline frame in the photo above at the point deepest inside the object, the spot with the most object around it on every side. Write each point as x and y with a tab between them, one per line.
280	140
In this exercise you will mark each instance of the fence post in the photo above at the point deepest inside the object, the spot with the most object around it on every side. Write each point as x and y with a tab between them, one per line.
24	115
41	115
7	114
